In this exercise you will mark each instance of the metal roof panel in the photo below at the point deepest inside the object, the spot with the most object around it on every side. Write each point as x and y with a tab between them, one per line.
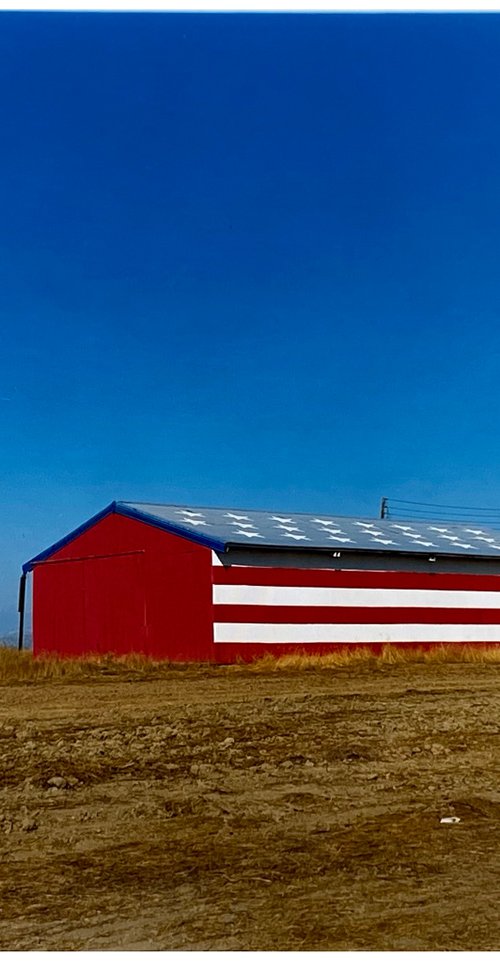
219	527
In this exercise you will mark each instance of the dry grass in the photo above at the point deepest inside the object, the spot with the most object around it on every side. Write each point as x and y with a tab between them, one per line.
22	667
380	656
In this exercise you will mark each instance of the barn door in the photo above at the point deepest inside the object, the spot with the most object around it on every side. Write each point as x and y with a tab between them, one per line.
91	604
115	604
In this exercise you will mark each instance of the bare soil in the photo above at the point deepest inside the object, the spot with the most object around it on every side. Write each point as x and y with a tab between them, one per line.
221	809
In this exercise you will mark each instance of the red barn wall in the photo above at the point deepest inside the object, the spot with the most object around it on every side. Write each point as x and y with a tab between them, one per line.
278	611
122	586
126	586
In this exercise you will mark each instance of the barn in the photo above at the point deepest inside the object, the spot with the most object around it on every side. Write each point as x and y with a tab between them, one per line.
217	584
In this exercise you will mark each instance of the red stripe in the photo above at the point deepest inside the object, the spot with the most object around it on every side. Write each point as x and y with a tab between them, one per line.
328	578
336	615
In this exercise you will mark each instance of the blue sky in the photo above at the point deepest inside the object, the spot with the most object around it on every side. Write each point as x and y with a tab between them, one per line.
246	260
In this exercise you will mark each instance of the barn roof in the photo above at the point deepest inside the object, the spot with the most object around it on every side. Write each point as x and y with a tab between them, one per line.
287	529
220	528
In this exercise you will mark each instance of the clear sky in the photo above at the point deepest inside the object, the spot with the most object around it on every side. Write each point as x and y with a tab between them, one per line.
246	260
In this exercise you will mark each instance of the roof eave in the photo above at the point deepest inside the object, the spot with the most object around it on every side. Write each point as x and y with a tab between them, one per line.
118	508
231	545
109	509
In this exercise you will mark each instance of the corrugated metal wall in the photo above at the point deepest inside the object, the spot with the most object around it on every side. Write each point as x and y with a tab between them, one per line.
125	586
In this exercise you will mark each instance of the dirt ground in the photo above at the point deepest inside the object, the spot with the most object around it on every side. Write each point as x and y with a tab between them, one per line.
224	809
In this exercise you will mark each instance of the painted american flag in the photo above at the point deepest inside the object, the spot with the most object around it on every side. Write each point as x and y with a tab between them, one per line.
270	605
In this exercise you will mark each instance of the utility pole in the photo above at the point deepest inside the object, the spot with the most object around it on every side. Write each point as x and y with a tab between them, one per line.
384	510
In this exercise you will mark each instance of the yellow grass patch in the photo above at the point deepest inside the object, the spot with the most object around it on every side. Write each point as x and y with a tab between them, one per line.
388	655
22	666
18	666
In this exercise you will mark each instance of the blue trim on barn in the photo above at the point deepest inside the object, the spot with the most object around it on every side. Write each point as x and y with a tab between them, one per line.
356	535
110	509
117	507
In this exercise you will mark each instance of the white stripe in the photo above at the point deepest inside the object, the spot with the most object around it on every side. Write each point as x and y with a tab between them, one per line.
216	561
352	597
306	634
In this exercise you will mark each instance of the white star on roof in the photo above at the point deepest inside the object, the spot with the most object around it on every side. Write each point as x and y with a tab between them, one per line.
249	534
489	540
241	524
237	517
450	537
335	538
365	524
286	527
474	530
432	528
321	521
382	541
193	521
460	545
284	520
297	537
192	514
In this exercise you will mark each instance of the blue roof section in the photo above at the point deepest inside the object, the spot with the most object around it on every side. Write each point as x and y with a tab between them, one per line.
158	515
287	529
129	510
218	528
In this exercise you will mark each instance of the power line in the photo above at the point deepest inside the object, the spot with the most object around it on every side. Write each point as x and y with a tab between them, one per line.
439	514
400	509
440	519
453	507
